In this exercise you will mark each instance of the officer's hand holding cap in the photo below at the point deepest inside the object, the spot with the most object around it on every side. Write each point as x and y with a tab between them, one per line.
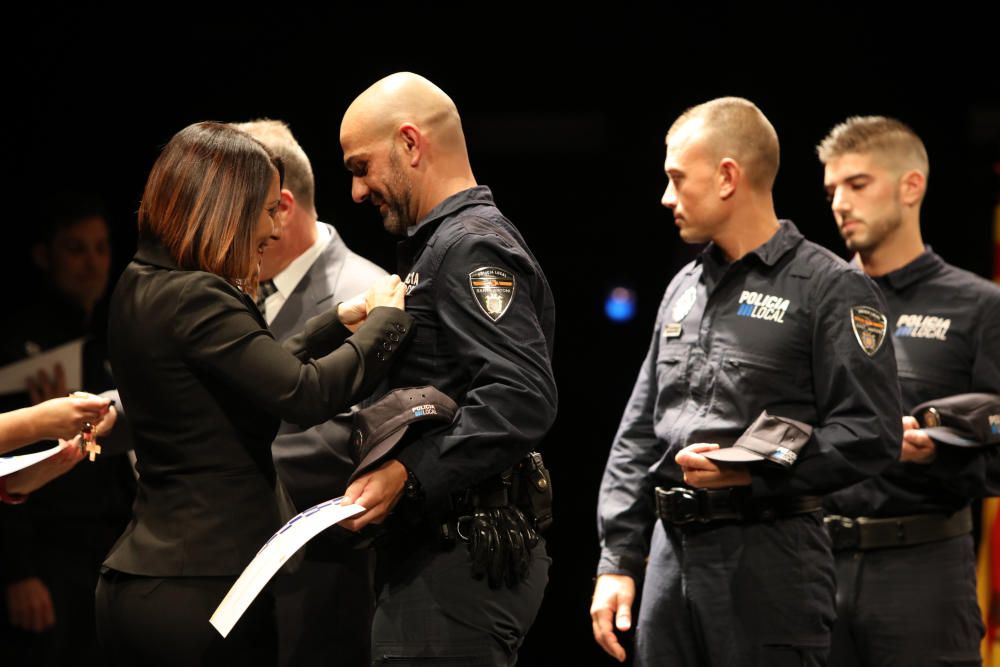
769	438
962	420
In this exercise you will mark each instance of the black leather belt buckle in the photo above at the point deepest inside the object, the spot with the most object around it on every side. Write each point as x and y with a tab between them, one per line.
679	505
845	533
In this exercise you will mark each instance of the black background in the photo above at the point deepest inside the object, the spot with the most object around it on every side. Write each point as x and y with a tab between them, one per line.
565	109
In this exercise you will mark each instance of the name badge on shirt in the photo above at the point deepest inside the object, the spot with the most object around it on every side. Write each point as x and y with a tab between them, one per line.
673	330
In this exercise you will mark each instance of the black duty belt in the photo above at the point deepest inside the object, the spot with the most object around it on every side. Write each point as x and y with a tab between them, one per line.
680	505
862	533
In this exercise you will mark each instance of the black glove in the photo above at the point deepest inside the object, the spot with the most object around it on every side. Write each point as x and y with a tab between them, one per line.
500	543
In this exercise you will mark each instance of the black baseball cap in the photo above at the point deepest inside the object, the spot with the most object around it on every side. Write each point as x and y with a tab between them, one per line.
962	420
379	427
769	438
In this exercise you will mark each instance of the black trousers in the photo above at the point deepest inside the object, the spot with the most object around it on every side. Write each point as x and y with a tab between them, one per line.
737	594
908	606
163	622
324	611
430	611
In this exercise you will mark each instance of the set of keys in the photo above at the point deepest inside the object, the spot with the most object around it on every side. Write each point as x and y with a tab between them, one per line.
89	441
88	436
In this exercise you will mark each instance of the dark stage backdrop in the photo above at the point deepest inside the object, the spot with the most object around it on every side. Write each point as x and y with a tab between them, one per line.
565	111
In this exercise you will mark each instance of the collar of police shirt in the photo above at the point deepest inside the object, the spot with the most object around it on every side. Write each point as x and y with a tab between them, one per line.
286	281
926	263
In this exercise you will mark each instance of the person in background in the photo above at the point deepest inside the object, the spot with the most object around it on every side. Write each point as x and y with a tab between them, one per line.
52	546
906	567
325	607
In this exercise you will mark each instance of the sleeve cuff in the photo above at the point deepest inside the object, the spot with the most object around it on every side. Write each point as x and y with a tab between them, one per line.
623	564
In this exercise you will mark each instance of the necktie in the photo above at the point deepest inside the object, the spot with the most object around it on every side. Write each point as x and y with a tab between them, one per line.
265	289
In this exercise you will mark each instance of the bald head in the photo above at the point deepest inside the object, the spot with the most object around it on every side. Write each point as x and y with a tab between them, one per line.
401	98
735	128
404	146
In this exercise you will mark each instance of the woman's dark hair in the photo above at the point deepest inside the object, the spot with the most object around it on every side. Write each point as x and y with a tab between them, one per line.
203	199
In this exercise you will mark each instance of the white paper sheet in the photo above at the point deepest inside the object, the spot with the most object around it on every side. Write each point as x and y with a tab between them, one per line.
282	546
11	464
70	355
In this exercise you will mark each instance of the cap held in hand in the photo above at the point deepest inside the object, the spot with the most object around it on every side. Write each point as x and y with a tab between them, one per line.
380	427
962	420
769	438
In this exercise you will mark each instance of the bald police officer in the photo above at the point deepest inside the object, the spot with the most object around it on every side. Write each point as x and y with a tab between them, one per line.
485	319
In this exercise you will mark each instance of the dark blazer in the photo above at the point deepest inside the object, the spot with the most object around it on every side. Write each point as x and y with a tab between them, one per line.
314	464
205	386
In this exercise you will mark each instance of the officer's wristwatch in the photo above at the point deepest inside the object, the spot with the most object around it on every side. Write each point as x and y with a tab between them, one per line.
412	490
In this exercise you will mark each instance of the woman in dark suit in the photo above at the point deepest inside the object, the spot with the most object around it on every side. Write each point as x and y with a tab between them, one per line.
205	385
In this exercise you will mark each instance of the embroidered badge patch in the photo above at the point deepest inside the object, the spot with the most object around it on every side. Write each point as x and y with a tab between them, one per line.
784	456
421	410
869	327
763	306
493	289
922	326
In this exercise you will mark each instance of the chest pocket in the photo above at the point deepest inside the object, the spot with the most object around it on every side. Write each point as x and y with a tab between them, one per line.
766	378
918	386
671	368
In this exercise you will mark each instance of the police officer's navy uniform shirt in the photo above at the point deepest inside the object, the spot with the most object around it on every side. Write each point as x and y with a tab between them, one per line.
784	328
945	325
485	322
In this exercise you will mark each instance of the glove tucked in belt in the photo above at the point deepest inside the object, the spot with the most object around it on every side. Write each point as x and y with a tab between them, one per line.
863	533
500	540
500	519
681	505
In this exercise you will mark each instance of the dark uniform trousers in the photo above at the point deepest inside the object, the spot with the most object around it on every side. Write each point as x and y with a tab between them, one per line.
735	594
430	610
916	605
884	618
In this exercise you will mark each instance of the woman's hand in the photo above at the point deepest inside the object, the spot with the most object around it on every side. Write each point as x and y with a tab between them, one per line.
28	479
65	417
353	312
387	291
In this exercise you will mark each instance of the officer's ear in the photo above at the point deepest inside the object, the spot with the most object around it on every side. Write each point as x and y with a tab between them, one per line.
912	186
413	142
729	176
286	207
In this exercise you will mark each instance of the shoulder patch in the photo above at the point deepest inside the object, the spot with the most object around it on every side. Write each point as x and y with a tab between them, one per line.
493	288
869	327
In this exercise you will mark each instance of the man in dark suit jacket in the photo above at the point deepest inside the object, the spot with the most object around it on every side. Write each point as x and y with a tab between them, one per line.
324	609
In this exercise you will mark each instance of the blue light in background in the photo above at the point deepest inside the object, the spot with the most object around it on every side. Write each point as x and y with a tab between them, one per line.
620	306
